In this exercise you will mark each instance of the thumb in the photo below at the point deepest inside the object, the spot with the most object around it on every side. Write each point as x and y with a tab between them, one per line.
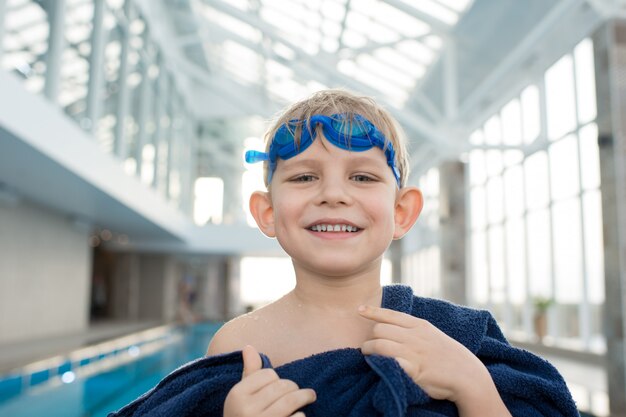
251	361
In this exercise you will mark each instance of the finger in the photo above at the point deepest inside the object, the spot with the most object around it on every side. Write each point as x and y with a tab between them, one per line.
298	414
251	361
393	350
257	381
390	332
385	315
277	389
406	365
384	347
290	402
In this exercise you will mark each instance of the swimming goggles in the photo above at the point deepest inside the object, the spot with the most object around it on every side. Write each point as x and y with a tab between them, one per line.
349	132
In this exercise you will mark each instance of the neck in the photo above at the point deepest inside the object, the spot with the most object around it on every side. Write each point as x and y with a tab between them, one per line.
340	295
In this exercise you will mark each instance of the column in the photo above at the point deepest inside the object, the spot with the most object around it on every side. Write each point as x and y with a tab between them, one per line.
3	8
394	254
56	45
159	112
125	287
213	296
144	108
124	92
610	65
182	159
159	278
96	65
171	131
188	165
233	306
452	231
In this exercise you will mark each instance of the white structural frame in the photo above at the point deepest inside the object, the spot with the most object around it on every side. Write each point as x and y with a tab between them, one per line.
96	66
56	45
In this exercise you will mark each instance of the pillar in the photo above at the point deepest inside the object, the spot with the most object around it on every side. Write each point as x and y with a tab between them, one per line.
610	66
56	45
96	66
452	214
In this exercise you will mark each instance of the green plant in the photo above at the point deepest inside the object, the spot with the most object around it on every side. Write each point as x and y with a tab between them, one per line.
542	304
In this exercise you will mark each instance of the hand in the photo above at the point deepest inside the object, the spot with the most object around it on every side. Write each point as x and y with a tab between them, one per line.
440	365
261	393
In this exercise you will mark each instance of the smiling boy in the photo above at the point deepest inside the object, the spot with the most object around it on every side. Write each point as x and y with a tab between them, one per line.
336	170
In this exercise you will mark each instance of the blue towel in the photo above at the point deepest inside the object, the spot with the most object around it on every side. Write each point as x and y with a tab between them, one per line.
348	383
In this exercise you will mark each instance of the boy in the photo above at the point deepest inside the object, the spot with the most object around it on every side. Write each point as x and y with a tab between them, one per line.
340	344
362	196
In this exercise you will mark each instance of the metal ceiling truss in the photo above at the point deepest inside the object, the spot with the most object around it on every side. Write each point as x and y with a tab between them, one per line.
514	60
437	26
435	134
514	64
184	71
444	130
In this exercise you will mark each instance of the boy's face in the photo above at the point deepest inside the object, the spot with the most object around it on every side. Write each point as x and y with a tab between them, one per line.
326	186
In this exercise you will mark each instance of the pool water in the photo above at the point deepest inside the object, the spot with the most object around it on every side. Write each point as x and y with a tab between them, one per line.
109	385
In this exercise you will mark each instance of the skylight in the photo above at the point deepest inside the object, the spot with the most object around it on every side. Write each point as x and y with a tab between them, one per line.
385	46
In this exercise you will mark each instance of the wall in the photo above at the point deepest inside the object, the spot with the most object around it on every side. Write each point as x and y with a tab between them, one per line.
45	267
158	297
144	287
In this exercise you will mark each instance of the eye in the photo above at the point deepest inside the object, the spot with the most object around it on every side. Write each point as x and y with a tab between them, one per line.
303	178
362	178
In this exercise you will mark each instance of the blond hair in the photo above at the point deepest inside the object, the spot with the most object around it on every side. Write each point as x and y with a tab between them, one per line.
337	101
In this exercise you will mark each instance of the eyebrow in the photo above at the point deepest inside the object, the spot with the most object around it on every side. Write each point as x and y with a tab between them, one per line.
353	160
305	162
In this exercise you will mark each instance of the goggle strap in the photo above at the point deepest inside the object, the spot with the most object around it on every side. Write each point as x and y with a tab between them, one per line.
253	156
337	137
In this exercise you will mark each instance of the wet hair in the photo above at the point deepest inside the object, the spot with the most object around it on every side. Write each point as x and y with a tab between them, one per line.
335	101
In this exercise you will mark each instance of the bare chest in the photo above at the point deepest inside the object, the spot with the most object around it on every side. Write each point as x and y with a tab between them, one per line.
295	342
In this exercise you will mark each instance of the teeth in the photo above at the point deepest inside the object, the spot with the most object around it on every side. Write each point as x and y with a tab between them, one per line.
334	228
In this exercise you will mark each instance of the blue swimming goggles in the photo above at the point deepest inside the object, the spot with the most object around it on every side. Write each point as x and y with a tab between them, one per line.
349	132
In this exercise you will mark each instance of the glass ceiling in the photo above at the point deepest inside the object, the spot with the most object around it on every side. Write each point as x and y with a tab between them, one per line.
291	48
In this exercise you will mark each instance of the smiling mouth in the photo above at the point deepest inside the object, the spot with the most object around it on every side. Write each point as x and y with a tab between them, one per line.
334	228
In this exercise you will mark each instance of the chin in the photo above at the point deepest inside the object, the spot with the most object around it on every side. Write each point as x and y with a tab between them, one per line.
336	270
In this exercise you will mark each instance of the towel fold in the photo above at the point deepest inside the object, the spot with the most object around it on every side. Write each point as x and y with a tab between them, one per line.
350	384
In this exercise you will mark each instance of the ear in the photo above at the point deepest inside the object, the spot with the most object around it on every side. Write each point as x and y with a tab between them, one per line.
263	212
409	203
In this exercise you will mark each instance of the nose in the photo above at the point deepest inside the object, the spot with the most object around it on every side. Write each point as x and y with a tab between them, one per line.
334	192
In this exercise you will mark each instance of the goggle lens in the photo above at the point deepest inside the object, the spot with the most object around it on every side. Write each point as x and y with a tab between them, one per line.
353	133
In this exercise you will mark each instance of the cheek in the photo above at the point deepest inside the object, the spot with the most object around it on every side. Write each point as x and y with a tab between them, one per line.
381	206
389	215
285	212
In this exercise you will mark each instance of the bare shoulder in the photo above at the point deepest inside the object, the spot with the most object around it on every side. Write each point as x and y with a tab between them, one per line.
243	330
228	337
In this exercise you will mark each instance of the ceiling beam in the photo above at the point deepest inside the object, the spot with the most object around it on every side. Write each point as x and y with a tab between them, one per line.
243	97
430	132
450	85
187	74
518	56
562	38
606	8
437	26
372	46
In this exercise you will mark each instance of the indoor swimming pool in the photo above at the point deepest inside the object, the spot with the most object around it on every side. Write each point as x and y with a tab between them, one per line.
105	380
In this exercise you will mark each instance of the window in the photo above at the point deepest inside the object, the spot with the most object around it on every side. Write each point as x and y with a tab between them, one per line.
209	199
535	217
421	265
